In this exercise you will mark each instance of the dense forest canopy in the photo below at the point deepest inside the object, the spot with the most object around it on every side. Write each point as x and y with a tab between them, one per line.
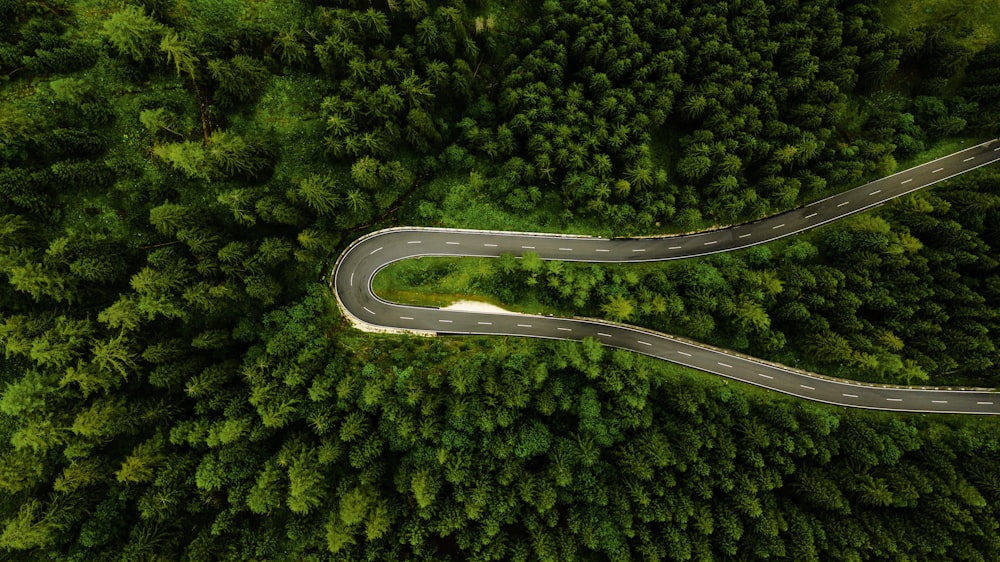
176	177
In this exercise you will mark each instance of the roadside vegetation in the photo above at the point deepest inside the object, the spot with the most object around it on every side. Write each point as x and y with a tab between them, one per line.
177	178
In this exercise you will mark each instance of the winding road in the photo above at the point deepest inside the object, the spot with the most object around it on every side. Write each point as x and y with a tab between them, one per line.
352	277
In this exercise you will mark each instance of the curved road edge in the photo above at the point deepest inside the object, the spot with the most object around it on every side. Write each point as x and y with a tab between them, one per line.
356	267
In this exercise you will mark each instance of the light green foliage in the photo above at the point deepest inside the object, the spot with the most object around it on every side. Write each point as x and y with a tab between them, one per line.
134	33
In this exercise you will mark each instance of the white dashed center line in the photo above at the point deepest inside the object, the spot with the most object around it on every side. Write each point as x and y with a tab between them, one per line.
640	250
565	249
844	203
406	318
485	323
674	248
413	242
985	403
807	387
352	278
894	399
969	158
446	321
907	181
644	342
684	354
875	192
452	243
744	235
777	227
524	325
490	245
724	364
565	329
527	247
765	376
936	171
939	401
809	216
375	250
849	395
602	250
609	335
368	309
712	242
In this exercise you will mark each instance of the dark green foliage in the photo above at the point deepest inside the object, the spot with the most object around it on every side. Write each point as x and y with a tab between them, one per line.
176	382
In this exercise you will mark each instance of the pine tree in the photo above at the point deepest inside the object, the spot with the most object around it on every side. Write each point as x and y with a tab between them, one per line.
133	33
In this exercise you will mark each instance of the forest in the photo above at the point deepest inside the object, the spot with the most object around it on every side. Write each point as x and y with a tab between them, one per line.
177	178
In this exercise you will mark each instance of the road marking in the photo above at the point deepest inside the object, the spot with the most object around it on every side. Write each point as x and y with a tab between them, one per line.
644	342
446	321
939	401
907	181
368	309
453	243
811	216
743	235
777	227
996	149
406	318
524	325
674	248
602	250
684	354
375	250
894	399
876	191
969	158
609	335
490	245
413	242
936	171
765	376
844	203
527	247
640	250
712	242
807	387
849	395
352	278
565	329
485	323
724	364
566	249
985	403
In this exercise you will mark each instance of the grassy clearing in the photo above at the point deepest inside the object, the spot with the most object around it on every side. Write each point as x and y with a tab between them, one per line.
439	281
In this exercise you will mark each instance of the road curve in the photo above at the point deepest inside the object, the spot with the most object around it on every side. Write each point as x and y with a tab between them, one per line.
352	277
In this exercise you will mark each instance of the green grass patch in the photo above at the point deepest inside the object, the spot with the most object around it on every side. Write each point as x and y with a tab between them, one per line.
442	281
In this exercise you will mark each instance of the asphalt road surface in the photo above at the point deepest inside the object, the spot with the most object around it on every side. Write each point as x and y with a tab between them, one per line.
352	278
